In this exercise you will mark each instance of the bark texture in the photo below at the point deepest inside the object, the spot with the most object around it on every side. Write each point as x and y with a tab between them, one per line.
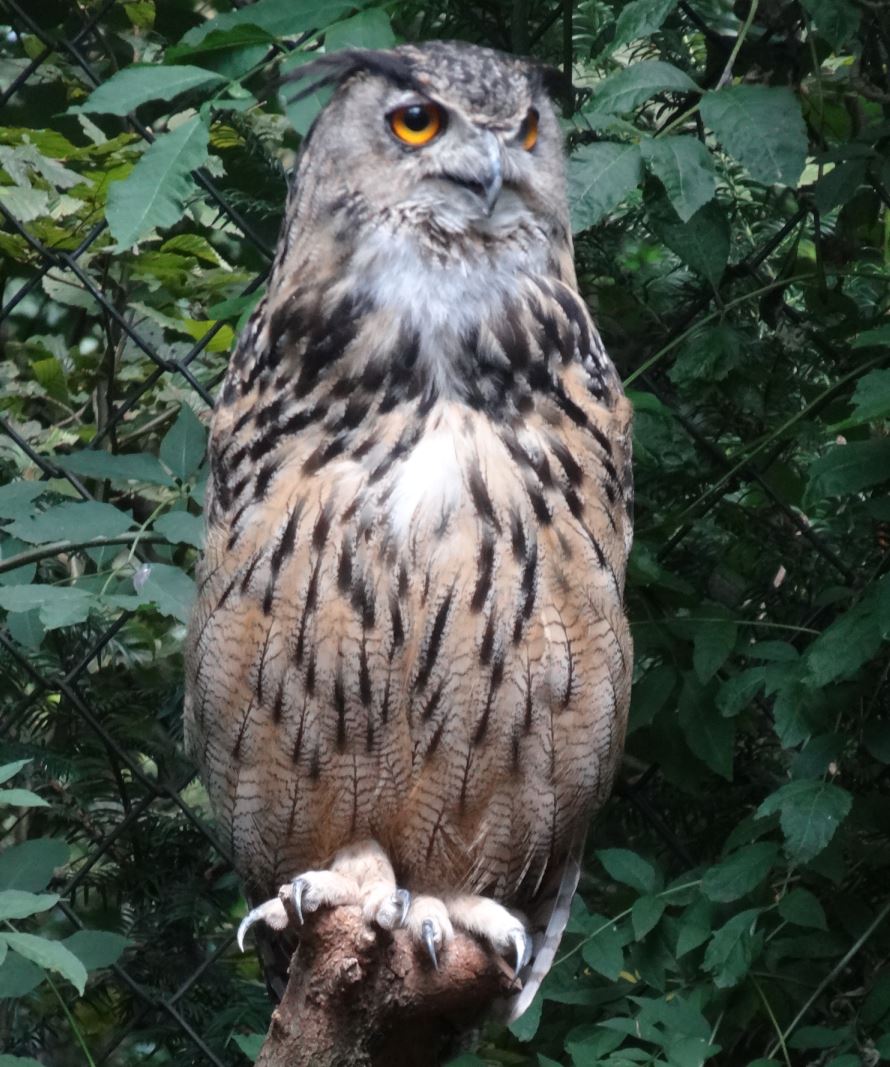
361	997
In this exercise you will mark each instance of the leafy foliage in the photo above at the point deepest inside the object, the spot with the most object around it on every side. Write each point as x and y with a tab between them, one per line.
729	183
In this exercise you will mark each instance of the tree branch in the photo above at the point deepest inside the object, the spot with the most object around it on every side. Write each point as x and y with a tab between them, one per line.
358	996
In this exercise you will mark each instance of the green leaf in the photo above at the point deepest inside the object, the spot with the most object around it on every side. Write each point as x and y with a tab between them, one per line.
57	605
51	955
737	693
185	444
96	948
10	770
836	20
871	398
154	193
18	977
710	735
169	589
119	470
876	1006
876	338
281	18
17	497
801	907
684	167
367	29
702	242
640	18
231	53
645	914
739	873
713	642
600	176
817	1037
694	926
137	84
250	1044
629	869
762	127
80	520
31	865
849	468
181	528
17	904
603	951
18	1061
623	91
733	949
850	641
22	798
810	812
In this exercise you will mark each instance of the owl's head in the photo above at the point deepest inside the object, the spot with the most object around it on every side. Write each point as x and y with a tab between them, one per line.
448	145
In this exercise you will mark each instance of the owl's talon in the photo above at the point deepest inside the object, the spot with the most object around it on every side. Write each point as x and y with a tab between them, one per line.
428	933
402	899
249	919
298	888
522	948
272	913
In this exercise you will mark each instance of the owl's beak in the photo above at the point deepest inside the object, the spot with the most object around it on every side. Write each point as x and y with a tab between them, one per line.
484	176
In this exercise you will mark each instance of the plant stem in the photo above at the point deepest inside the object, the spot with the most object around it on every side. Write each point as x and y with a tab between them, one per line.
773	1020
34	555
737	47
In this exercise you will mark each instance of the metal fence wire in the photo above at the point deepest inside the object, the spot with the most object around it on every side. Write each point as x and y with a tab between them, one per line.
104	715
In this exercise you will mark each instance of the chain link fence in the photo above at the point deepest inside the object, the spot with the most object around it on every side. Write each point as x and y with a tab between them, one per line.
181	990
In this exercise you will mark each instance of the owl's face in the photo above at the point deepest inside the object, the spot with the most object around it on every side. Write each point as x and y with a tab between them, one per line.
445	141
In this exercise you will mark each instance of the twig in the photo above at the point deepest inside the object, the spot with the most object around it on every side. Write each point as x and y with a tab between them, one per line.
34	555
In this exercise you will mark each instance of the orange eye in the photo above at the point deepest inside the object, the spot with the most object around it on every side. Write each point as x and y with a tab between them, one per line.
416	125
528	131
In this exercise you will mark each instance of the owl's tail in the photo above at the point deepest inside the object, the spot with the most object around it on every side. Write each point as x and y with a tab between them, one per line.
548	917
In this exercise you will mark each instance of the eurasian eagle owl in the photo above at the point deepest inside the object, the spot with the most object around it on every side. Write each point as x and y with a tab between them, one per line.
409	664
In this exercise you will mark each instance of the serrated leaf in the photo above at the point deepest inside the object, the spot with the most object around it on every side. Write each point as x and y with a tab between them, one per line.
603	952
629	869
836	20
56	605
737	693
732	949
849	468
762	127
52	955
810	812
170	590
645	914
640	18
96	948
713	642
281	18
600	176
694	926
119	470
18	904
21	798
871	398
154	193
684	167
137	84
702	242
31	865
801	907
740	872
709	735
368	29
851	640
80	520
623	91
230	53
184	445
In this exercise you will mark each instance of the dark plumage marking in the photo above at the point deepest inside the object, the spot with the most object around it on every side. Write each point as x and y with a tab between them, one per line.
430	751
527	592
567	461
574	503
539	505
298	422
353	416
309	606
322	528
283	550
339	699
248	574
435	641
517	536
398	629
434	700
263	478
363	601
481	499
360	451
314	770
497	676
278	704
484	570
324	454
487	646
364	676
574	412
239	740
344	566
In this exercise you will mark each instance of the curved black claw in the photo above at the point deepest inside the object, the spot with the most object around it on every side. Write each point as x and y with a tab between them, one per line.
253	916
522	948
298	888
428	933
403	898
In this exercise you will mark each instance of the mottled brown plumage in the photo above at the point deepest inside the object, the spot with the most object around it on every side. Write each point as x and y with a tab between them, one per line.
410	625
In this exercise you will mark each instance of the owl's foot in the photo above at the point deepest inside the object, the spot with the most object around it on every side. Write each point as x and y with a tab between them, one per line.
360	874
432	921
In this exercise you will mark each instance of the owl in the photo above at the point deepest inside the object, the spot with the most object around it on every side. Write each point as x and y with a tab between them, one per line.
408	666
